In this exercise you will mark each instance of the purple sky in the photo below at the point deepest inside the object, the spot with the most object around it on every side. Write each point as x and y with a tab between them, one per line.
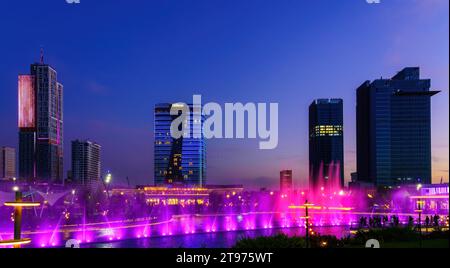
117	59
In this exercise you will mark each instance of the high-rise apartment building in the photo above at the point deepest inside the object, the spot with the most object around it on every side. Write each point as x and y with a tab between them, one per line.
86	163
40	124
286	181
7	163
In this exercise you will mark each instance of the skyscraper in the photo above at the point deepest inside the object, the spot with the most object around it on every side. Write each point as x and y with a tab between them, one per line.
180	161
86	164
394	129
326	144
40	124
285	180
7	163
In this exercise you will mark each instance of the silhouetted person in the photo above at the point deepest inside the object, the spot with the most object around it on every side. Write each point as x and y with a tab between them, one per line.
396	221
436	220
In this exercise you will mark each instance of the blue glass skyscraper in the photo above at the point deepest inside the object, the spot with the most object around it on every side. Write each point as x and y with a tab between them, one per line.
394	130
180	161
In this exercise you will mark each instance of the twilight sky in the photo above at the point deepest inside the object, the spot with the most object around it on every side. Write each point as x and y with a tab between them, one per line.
116	59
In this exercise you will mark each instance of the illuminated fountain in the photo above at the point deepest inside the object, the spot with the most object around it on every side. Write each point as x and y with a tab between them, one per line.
158	212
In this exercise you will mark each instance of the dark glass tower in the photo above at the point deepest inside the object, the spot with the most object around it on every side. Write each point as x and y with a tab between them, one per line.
40	125
326	145
394	130
179	161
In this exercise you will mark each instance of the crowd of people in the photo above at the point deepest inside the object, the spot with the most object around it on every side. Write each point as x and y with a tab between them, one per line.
384	221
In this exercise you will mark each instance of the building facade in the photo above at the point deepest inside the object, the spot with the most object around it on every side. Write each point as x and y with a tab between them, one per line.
286	181
179	161
86	163
394	130
326	144
7	163
40	124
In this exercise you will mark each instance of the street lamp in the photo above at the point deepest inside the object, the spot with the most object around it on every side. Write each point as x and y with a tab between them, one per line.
420	204
108	178
18	204
107	181
73	195
307	222
419	186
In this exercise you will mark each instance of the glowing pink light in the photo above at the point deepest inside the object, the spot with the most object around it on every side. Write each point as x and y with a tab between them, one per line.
26	101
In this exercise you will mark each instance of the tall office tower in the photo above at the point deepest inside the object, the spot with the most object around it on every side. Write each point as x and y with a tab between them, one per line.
326	145
86	164
179	161
7	163
286	180
40	124
394	129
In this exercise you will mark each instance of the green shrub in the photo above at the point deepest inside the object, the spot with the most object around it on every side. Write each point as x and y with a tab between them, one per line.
385	235
395	234
277	241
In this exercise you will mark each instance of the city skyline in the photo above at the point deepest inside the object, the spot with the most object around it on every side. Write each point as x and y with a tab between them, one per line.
128	122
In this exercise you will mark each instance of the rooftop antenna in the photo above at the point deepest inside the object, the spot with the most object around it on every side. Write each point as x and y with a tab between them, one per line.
42	56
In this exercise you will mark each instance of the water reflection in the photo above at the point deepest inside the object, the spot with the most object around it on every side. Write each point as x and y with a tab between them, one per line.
213	240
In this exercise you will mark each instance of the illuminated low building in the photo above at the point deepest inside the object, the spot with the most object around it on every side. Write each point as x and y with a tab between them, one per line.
182	196
161	195
433	198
